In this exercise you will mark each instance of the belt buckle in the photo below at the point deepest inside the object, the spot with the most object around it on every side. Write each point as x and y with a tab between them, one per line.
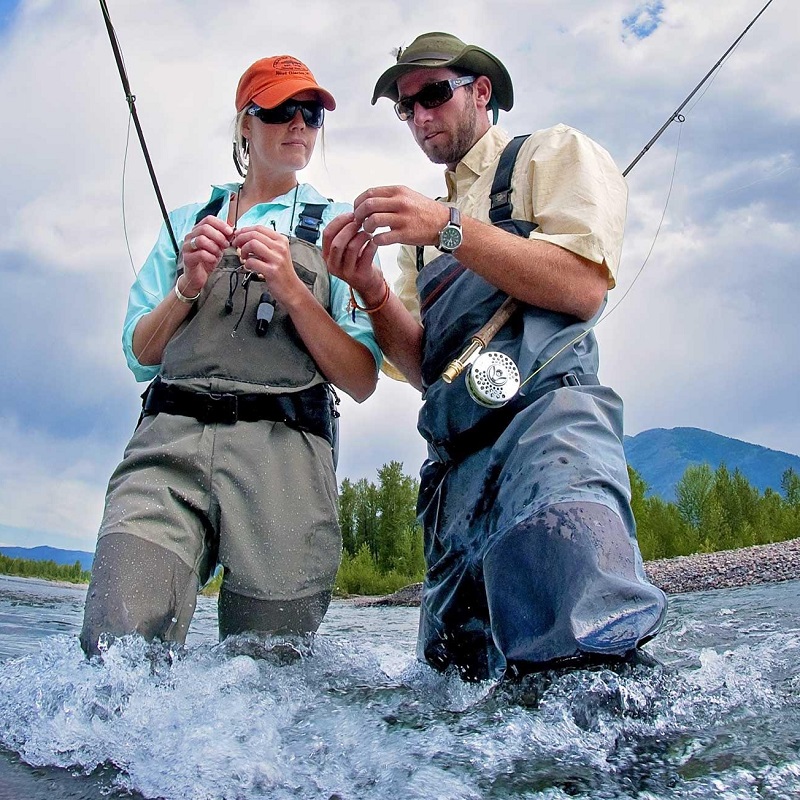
222	408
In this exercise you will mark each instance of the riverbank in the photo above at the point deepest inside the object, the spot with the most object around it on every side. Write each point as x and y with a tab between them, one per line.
726	569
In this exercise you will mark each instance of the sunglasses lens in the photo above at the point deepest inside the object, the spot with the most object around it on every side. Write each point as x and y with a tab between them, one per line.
312	111
313	114
431	96
435	94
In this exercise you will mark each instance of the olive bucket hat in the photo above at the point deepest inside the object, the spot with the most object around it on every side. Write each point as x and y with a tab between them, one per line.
437	49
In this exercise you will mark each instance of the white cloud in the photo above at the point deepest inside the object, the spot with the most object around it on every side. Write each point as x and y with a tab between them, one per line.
706	338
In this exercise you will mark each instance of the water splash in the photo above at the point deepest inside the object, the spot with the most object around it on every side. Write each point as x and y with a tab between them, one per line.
359	718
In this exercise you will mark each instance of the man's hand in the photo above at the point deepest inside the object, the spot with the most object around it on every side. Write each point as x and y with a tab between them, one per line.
349	253
412	218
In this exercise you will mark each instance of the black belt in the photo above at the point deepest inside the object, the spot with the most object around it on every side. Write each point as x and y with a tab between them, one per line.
487	431
307	410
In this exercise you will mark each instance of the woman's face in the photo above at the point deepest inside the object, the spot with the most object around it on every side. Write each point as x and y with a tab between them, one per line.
282	147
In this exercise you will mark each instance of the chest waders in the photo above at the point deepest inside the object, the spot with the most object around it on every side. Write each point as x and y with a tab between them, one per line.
532	560
241	489
268	368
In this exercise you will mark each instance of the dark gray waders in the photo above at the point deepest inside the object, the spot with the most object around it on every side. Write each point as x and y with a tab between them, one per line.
529	537
230	464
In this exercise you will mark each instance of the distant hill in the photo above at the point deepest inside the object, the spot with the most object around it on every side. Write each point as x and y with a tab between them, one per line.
661	456
45	553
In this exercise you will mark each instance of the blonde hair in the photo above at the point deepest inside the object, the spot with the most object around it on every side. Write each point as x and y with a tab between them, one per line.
241	147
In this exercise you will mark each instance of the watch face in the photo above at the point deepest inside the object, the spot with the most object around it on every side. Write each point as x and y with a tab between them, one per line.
450	238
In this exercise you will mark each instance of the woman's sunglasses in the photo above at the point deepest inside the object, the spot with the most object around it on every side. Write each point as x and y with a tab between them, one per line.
431	96
312	110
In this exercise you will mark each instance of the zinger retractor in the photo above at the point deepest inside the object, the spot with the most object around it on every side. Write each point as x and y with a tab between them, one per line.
492	379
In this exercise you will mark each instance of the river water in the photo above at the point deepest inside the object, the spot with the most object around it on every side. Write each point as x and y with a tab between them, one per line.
361	719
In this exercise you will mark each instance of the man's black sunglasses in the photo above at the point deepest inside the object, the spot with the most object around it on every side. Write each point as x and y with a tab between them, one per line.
312	110
431	96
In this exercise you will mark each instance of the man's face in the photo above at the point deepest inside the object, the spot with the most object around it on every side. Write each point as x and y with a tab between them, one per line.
445	133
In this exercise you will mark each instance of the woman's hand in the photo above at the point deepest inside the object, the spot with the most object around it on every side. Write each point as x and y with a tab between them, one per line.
267	253
201	252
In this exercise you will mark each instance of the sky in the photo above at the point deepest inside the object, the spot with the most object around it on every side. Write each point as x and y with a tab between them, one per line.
704	335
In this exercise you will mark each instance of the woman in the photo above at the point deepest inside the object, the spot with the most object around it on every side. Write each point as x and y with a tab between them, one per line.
232	461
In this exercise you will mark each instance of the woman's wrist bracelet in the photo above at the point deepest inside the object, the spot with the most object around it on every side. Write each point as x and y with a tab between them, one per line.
354	303
182	297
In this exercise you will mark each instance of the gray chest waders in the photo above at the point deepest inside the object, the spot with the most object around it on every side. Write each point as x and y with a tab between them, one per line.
238	333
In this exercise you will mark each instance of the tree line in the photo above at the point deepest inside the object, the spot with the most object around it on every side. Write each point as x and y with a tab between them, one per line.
714	510
383	544
49	570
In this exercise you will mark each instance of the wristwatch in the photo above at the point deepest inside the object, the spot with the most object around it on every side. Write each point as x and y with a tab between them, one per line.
450	237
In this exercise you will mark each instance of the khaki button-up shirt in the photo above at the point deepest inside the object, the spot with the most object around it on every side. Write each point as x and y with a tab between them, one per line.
563	181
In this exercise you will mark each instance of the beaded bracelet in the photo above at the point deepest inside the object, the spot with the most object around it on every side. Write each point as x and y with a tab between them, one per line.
353	304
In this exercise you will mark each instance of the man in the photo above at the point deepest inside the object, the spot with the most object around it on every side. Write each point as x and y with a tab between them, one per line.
529	538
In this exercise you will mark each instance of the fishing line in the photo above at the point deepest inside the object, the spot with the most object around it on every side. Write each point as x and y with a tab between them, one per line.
469	358
616	305
133	116
130	98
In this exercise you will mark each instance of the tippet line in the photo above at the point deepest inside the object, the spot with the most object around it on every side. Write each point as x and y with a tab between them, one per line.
480	340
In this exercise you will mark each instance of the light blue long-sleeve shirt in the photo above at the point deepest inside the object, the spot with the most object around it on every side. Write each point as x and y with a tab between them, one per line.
157	277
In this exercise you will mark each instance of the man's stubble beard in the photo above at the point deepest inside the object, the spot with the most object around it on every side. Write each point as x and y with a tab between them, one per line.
452	151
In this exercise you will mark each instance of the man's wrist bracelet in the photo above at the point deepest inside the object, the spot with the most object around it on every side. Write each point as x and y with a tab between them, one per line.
183	298
354	303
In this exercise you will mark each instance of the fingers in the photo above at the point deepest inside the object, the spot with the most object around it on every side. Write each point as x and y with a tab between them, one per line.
332	230
203	245
263	251
348	250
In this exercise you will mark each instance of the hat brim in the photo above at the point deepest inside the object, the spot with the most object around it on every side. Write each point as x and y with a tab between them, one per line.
275	95
471	59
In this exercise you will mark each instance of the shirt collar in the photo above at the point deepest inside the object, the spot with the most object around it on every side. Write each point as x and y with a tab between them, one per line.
306	193
477	160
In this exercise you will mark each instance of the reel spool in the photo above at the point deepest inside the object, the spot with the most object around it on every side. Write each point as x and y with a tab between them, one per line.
493	379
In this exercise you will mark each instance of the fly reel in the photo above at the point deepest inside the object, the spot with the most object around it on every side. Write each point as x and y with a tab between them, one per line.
492	379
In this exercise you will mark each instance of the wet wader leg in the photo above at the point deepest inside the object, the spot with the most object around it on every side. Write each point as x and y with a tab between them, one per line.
137	587
238	614
566	585
454	630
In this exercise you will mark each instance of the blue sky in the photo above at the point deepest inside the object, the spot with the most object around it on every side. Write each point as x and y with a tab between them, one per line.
706	338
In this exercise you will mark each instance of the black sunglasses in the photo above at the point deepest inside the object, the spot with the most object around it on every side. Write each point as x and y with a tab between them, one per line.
431	96
312	110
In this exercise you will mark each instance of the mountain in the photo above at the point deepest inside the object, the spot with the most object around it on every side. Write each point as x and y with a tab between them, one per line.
45	553
661	456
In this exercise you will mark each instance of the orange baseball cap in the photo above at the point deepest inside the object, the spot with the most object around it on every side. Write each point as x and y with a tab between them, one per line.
270	81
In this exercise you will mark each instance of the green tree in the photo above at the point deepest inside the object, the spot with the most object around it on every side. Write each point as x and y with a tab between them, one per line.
397	500
692	491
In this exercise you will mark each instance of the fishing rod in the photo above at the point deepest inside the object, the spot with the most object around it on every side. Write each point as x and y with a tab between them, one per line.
131	100
493	378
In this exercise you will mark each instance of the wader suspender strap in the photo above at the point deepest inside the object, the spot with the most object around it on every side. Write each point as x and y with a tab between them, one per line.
211	209
500	196
307	228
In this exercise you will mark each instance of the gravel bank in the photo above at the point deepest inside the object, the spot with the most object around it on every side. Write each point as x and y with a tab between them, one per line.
765	563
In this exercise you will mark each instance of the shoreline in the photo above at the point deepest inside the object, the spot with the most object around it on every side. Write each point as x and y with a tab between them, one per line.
700	572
